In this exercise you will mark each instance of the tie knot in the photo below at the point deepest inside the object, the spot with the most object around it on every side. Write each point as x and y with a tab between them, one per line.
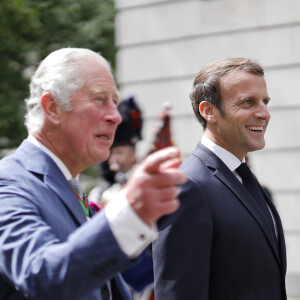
244	171
76	186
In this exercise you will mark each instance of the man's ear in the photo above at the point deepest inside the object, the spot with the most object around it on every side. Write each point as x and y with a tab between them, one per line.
208	111
50	107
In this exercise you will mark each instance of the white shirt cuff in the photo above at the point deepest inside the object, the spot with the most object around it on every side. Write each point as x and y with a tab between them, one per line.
131	233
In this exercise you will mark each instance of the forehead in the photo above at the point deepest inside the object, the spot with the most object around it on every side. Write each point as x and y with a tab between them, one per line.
97	78
242	82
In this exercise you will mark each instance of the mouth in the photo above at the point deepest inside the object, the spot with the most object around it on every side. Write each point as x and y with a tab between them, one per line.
257	129
104	137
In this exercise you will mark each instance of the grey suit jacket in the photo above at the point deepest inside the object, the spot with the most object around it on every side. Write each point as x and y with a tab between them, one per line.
218	245
47	249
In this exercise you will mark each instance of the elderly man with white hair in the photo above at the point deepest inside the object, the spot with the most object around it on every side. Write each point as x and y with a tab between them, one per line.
52	244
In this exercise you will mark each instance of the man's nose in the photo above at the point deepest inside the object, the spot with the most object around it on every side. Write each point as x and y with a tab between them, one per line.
114	114
118	117
263	111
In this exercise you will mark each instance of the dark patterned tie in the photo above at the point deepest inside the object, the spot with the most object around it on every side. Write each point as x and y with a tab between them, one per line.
251	184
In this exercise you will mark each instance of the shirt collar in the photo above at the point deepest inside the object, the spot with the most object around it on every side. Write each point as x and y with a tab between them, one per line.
59	163
230	160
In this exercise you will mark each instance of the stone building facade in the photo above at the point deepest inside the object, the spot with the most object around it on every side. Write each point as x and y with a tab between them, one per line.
162	44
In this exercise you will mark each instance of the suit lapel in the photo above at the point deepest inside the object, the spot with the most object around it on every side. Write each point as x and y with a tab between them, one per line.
60	186
221	171
37	161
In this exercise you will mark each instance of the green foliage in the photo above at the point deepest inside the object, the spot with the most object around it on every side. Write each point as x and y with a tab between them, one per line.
19	28
29	31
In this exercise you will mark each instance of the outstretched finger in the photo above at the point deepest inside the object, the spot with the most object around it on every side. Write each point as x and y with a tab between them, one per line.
170	164
153	162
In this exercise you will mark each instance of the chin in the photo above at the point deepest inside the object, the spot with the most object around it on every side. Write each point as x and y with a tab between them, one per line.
105	155
257	147
100	158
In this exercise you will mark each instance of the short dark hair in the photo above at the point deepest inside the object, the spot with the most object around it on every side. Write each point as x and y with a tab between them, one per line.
206	85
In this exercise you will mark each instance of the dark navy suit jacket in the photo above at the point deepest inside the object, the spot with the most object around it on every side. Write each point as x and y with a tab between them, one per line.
218	245
47	249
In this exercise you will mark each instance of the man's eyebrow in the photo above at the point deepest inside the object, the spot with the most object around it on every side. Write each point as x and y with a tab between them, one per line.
96	90
253	97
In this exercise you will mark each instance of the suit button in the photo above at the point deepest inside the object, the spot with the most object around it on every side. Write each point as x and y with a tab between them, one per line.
105	293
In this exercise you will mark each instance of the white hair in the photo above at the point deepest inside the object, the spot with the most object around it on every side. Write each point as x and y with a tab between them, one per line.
59	74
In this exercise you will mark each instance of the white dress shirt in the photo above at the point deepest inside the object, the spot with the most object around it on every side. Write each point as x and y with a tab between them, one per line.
231	161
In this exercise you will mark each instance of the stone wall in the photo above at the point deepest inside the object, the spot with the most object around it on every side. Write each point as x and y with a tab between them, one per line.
163	44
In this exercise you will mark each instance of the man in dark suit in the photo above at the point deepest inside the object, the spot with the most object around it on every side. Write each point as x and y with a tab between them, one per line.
222	244
48	250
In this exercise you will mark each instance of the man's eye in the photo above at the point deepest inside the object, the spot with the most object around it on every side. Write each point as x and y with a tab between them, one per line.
248	102
100	100
266	101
